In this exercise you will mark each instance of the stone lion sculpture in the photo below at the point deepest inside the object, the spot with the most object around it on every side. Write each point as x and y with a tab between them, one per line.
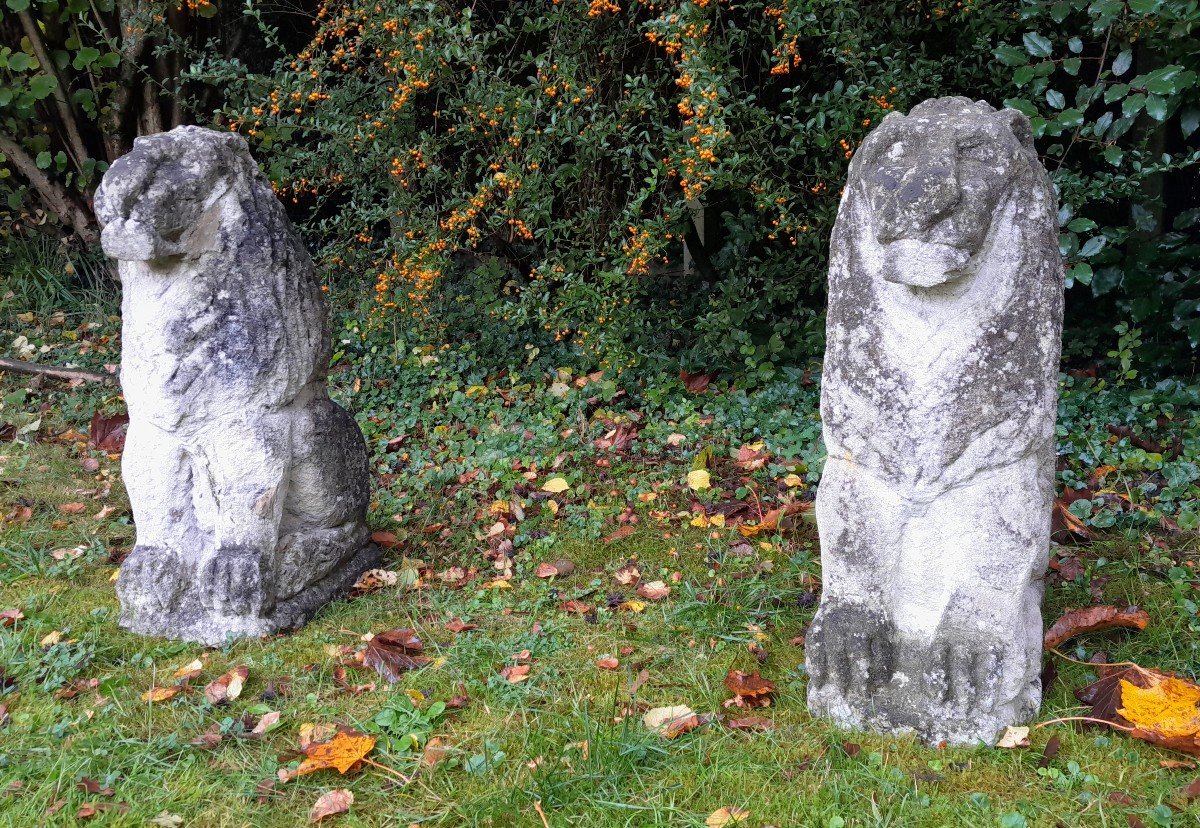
249	486
938	405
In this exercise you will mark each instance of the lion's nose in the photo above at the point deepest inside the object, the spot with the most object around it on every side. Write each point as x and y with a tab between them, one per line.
926	194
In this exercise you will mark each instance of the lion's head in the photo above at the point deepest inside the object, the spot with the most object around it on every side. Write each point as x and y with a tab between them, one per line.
934	181
155	202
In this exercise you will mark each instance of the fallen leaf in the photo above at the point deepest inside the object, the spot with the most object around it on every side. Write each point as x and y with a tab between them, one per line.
161	694
632	605
852	749
267	722
166	819
1177	764
1191	790
622	533
311	733
749	689
1093	619
670	722
549	570
72	508
89	785
556	485
374	580
1049	752
699	479
345	750
577	607
227	687
607	663
458	625
729	815
392	653
337	801
50	639
10	617
107	433
209	739
675	439
434	752
189	671
387	540
1121	798
695	383
1065	527
654	591
515	673
628	575
1014	737
1167	708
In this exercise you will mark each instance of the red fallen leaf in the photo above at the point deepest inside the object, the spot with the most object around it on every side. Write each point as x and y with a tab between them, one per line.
852	749
108	433
89	809
1121	798
9	617
749	689
1093	619
515	673
386	539
1183	743
89	785
695	383
750	723
460	701
209	739
607	663
654	591
576	607
391	653
1065	527
622	533
1069	568
227	687
72	508
458	626
549	570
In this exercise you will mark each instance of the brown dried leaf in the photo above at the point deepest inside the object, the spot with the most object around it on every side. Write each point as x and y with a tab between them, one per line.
1093	619
387	540
1065	527
89	785
750	723
576	607
337	801
749	689
607	663
72	508
515	673
628	575
227	687
695	383
108	433
161	694
391	653
654	591
458	625
622	533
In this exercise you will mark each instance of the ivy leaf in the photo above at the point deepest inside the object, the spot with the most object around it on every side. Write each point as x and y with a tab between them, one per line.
1055	98
1122	63
1081	272
1036	44
1093	246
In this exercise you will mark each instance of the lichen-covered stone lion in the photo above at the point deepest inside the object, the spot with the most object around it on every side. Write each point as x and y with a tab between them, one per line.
248	484
938	405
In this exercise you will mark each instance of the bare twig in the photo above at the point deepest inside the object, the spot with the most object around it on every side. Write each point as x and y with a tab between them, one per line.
20	367
56	198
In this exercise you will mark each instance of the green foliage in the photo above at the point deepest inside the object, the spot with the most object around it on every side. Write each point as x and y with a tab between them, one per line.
526	175
1114	97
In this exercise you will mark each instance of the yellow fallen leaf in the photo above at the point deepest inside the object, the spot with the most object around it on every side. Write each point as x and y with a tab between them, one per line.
700	521
346	749
717	521
1169	707
555	485
52	638
633	605
499	583
699	479
1014	737
793	480
552	505
726	816
160	694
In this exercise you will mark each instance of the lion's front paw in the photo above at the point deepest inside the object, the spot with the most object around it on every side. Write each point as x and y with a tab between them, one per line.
964	674
851	649
233	582
150	577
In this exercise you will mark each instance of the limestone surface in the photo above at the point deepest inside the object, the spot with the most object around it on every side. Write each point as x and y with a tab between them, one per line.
249	486
938	406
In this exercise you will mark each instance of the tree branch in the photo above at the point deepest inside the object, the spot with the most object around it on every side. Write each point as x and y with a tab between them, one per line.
20	367
66	113
55	196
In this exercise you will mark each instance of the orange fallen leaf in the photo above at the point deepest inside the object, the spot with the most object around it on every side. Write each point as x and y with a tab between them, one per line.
607	663
337	801
1064	526
622	533
345	750
576	607
312	733
161	694
1093	619
749	689
730	815
458	625
1168	710
228	687
72	508
386	539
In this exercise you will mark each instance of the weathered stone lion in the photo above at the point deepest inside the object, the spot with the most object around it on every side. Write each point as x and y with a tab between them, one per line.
248	484
938	404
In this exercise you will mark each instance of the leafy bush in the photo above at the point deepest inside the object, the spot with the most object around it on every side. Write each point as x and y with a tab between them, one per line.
527	175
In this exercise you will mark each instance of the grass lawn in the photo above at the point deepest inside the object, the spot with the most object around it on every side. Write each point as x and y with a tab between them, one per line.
566	746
